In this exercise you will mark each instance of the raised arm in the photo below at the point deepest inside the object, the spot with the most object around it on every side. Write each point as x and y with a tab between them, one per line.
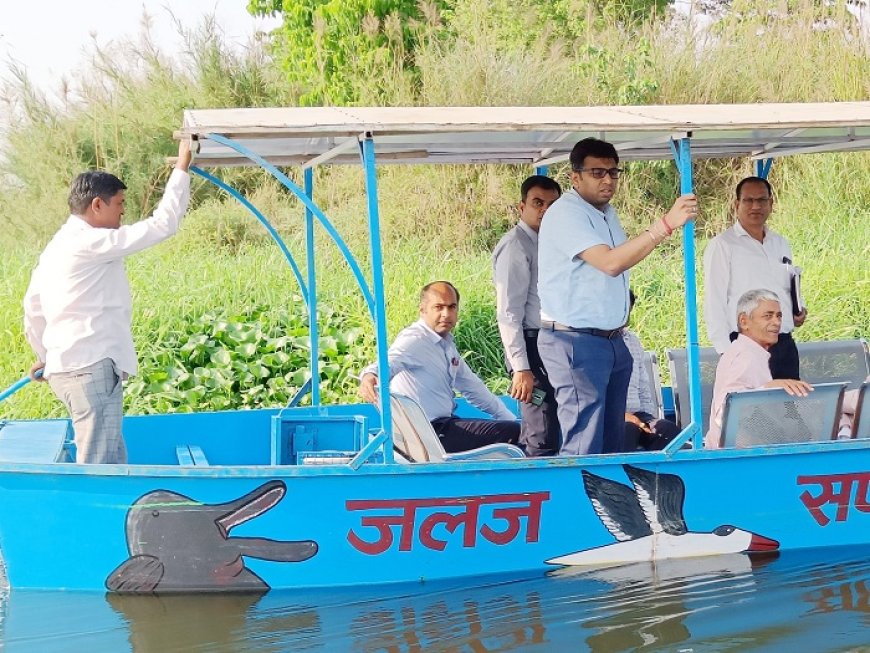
616	260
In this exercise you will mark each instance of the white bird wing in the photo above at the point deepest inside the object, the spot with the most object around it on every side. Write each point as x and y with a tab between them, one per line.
660	497
617	507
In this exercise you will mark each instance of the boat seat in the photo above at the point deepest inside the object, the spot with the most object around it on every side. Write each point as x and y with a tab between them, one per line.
416	440
833	361
37	441
768	416
651	363
191	455
861	421
678	367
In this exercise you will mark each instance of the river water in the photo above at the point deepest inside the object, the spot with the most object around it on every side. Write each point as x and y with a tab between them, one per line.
799	601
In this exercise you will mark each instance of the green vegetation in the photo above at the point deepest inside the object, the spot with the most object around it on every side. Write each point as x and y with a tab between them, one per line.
218	318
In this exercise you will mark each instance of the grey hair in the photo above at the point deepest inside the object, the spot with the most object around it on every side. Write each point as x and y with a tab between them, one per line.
750	300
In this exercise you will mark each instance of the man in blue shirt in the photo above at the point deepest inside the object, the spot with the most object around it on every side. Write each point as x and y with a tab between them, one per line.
426	366
583	262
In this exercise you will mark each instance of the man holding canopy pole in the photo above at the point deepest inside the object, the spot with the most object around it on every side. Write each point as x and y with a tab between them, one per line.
78	308
583	261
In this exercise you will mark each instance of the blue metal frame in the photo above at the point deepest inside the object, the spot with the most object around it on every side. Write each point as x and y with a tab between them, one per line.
313	329
375	300
15	387
762	167
367	153
264	221
683	157
290	185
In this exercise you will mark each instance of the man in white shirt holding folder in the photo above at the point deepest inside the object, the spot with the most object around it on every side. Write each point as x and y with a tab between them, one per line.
750	255
77	309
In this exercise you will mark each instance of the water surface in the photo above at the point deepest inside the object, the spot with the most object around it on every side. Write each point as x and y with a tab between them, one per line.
799	601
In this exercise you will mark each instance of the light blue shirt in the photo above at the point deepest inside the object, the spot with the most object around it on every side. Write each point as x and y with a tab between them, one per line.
572	291
429	369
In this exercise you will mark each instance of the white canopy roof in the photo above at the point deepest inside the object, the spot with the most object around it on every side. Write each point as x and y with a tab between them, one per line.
527	135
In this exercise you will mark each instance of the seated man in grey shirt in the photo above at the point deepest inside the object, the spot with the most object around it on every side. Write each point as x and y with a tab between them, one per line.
426	366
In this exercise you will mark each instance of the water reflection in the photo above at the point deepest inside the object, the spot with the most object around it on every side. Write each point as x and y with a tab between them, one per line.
805	600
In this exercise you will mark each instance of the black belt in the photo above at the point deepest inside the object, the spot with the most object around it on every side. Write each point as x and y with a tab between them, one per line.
530	333
601	333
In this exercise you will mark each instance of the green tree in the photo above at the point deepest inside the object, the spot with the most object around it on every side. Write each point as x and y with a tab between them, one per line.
324	46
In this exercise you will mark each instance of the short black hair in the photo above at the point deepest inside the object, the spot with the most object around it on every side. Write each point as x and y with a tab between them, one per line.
89	185
592	147
539	181
754	180
429	285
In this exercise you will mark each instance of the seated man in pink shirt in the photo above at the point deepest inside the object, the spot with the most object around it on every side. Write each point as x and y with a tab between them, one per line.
744	365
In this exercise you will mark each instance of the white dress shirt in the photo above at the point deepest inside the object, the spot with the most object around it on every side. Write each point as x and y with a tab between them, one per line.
734	263
745	365
77	309
429	369
515	273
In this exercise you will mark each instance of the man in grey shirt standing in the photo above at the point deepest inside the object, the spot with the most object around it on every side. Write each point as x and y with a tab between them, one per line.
518	311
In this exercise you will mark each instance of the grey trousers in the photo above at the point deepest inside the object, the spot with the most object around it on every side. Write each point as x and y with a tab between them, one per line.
93	396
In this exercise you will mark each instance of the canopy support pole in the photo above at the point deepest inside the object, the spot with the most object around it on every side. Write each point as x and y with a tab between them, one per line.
313	331
683	157
762	167
367	152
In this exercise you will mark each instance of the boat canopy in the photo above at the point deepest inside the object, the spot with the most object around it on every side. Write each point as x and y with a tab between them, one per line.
535	136
307	137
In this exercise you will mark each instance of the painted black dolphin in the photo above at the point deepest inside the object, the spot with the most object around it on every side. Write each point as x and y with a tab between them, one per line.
178	544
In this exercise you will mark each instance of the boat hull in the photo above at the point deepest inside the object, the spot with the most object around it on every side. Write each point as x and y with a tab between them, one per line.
159	528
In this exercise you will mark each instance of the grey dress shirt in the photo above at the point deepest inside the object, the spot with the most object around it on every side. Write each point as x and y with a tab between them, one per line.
515	273
429	369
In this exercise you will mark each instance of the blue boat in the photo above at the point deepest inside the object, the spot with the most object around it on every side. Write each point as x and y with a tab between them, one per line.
319	496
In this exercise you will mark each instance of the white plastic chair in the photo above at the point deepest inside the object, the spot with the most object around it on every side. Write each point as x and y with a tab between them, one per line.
415	439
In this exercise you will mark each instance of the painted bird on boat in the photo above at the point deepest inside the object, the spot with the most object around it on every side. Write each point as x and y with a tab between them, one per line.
178	544
647	521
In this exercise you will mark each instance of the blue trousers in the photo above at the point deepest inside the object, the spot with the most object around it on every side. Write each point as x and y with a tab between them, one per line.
590	375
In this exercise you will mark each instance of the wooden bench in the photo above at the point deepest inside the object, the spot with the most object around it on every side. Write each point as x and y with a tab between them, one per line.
191	455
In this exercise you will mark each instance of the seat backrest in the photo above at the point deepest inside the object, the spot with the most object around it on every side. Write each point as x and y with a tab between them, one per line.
833	361
861	421
772	416
651	363
413	435
679	369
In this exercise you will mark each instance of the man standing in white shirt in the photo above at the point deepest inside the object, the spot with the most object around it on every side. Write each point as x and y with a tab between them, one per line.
749	255
518	313
426	366
78	309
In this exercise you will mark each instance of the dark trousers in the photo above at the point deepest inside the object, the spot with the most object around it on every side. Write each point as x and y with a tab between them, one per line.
590	376
663	431
539	430
784	361
460	434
